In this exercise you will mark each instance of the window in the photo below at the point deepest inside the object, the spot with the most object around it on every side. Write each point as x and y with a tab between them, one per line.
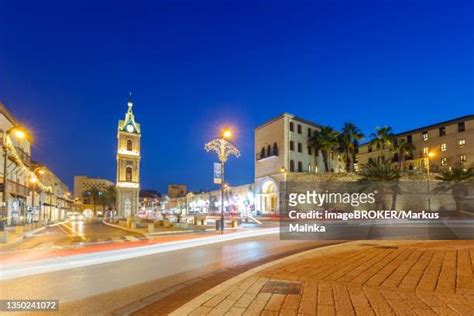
316	169
300	166
299	129
424	135
442	131
444	161
310	151
262	153
309	168
309	132
292	166
369	148
129	145
269	150
461	143
409	139
300	147
443	147
292	145
461	127
275	149
426	150
128	174
291	127
462	158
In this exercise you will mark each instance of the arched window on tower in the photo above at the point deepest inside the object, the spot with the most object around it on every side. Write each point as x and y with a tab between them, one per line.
275	149
129	145
128	174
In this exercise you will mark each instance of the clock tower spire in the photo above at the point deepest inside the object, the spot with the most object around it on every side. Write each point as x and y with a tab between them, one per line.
128	163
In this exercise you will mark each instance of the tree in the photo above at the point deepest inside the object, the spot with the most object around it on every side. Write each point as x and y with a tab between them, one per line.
349	142
110	195
383	178
454	181
402	149
383	138
325	141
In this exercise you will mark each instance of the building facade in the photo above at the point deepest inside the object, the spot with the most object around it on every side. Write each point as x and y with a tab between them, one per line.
281	146
443	145
82	191
14	169
177	190
50	205
128	164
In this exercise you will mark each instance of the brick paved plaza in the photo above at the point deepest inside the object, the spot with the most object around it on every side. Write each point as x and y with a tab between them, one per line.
357	278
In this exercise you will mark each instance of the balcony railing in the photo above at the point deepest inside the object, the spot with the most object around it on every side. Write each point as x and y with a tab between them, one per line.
263	155
15	188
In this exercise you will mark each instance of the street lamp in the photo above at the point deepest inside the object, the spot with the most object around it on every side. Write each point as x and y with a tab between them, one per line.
223	149
34	180
428	156
19	134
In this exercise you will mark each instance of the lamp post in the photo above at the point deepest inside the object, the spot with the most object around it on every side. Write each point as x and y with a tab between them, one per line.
223	149
428	156
34	180
19	134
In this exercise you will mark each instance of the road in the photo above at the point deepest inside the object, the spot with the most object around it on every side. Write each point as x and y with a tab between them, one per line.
102	289
72	233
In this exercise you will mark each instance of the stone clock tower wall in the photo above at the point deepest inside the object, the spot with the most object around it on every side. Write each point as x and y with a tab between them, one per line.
128	164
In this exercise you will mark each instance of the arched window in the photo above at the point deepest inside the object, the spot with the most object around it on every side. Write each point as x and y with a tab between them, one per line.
275	149
129	145
269	150
262	153
309	168
128	174
292	166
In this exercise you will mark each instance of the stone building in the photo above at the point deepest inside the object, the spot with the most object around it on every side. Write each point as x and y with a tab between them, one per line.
445	144
15	206
128	164
281	147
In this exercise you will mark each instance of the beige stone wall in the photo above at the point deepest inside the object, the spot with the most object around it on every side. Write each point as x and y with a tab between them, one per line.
271	133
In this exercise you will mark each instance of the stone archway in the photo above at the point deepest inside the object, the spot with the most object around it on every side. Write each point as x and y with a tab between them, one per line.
267	196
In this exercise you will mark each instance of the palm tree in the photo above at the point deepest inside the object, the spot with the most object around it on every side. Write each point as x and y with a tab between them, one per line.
349	142
383	177
454	180
93	193
382	138
111	196
402	149
325	141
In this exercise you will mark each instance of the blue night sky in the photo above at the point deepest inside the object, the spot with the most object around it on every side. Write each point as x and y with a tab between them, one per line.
66	68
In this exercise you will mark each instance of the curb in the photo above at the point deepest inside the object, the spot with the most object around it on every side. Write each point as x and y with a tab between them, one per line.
124	228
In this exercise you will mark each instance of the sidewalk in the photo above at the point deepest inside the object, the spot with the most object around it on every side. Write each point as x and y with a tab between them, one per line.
363	278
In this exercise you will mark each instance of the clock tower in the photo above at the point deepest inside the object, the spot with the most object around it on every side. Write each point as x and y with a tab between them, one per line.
128	164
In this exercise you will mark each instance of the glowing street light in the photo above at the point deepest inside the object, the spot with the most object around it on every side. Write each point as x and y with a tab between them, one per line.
223	149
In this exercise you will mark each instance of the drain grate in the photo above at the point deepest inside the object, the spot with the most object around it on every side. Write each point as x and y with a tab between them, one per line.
281	287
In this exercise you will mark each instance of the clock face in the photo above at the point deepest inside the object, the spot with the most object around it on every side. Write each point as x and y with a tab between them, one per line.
130	128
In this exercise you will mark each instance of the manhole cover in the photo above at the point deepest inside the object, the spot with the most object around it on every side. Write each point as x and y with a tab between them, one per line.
281	287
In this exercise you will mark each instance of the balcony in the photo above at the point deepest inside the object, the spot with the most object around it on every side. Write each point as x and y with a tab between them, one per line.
261	156
15	188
